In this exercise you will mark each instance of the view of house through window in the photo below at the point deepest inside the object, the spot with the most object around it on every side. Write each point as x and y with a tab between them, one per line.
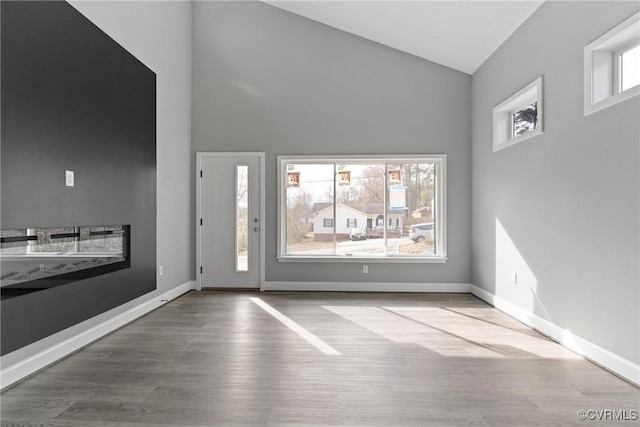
362	208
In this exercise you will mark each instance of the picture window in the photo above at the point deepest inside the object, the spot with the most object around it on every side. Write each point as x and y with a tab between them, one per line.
361	207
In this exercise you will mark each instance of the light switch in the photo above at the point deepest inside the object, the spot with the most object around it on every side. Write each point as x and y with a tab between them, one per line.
68	178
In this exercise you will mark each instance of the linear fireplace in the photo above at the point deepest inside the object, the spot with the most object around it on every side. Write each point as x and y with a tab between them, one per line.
35	259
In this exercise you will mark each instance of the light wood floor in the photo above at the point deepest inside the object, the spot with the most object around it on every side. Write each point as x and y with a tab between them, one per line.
219	359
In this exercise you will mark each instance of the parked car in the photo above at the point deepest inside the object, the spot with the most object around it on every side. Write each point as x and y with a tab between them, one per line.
378	232
358	234
419	232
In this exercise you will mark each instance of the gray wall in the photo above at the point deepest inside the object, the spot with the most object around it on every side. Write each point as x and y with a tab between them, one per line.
159	35
267	80
561	209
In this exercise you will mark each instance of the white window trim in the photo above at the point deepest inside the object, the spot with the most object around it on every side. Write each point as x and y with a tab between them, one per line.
601	85
440	208
503	112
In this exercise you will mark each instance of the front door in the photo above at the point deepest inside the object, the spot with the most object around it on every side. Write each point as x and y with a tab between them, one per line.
229	220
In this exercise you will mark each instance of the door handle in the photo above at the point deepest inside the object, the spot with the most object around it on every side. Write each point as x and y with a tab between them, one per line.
256	228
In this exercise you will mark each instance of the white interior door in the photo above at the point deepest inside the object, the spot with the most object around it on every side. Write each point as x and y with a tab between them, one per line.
229	221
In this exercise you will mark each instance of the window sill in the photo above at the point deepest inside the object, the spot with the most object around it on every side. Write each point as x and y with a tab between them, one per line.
360	259
517	139
611	100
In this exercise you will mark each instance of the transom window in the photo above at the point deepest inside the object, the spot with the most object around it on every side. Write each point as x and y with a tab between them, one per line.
518	117
364	207
612	66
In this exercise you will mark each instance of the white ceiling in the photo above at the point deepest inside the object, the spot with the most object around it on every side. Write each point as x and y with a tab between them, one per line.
457	34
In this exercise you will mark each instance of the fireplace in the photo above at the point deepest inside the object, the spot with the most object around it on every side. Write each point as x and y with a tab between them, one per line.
40	258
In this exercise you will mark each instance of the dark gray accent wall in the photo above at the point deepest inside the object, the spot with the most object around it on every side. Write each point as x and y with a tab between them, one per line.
268	80
72	98
562	208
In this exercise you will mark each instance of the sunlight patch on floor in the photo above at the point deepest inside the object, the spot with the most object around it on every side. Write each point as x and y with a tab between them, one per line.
509	342
312	339
451	334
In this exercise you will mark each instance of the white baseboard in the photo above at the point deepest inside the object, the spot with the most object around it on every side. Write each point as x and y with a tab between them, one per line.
367	287
603	357
17	371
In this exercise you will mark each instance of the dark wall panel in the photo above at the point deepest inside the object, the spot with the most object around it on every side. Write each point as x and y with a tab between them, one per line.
72	98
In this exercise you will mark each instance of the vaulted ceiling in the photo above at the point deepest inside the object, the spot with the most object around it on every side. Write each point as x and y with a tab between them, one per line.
457	34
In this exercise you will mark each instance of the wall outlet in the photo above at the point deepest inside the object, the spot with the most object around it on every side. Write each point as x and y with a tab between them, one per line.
365	269
514	277
160	271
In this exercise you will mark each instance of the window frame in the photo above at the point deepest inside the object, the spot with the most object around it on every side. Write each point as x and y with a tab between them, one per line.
439	210
617	65
503	115
602	83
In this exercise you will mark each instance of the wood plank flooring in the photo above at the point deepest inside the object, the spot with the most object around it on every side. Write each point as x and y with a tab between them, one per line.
218	359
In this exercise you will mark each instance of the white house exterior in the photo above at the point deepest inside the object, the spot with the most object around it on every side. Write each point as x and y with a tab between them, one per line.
347	218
